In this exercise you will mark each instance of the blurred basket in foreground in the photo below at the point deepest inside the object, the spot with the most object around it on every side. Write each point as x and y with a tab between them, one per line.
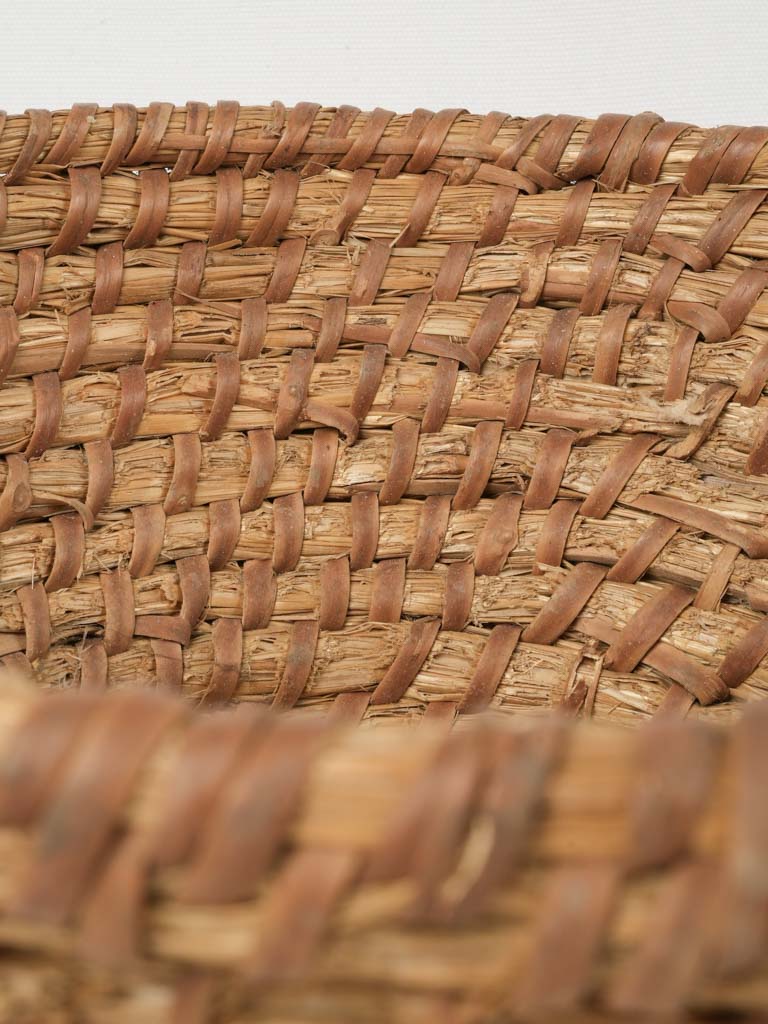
242	866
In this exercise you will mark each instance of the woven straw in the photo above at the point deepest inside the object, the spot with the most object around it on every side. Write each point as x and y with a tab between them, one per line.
238	867
392	419
205	330
324	208
198	139
446	410
359	271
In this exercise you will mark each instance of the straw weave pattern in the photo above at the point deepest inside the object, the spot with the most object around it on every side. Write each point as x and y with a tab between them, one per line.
393	419
318	865
442	397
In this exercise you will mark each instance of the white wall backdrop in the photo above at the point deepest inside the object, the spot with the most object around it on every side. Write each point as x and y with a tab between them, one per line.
701	61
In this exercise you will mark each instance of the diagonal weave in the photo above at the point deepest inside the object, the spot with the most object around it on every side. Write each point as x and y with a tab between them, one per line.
197	139
395	418
444	410
278	868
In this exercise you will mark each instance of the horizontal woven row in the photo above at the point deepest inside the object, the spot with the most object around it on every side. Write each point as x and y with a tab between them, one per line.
544	150
358	390
591	601
588	276
329	532
183	471
142	210
279	863
641	348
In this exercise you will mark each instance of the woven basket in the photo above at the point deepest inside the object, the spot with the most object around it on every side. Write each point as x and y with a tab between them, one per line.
239	866
437	411
388	418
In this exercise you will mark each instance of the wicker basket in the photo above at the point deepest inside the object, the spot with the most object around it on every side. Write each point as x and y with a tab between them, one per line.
440	411
386	418
238	867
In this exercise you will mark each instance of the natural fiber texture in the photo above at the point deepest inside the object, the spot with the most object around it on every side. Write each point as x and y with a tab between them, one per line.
241	867
543	151
143	473
383	420
356	660
297	402
200	332
181	400
349	654
363	271
29	550
334	205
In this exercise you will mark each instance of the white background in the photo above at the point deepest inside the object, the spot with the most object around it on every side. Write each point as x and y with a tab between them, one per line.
703	62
